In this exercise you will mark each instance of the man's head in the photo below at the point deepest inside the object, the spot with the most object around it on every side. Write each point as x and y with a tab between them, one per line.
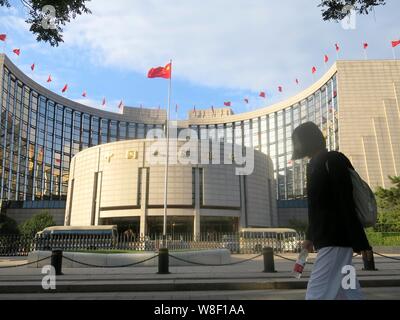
307	140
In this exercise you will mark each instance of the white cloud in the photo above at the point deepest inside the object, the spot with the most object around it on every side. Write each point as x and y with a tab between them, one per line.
236	44
241	44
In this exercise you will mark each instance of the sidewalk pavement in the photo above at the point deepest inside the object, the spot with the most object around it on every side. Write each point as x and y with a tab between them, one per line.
245	276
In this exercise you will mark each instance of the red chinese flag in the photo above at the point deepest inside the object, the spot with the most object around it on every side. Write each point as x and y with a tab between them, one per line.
365	46
160	72
246	100
49	79
326	58
103	102
297	81
280	89
33	67
84	94
121	104
227	104
395	43
3	37
337	47
263	95
65	88
17	51
314	70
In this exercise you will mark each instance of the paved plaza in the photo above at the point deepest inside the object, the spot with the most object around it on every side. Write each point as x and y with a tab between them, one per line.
241	281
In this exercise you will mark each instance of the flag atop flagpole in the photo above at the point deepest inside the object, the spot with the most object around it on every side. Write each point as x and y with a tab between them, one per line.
3	38
337	47
326	60
313	71
84	94
160	72
17	52
166	73
121	107
365	46
65	88
33	67
395	43
49	80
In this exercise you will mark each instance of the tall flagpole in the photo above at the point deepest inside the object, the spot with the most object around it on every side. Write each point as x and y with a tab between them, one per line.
167	160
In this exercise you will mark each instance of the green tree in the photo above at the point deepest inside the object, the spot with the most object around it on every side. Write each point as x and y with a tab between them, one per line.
64	11
389	206
36	223
8	226
336	9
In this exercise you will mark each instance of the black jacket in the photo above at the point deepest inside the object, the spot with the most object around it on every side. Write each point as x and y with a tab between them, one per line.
333	221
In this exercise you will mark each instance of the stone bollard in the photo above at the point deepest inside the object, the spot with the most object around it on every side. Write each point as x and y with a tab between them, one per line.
269	264
368	259
163	261
56	261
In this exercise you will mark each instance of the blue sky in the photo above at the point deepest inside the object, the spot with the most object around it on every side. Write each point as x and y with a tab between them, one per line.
221	50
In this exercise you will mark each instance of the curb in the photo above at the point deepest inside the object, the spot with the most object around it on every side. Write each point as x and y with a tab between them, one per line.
173	285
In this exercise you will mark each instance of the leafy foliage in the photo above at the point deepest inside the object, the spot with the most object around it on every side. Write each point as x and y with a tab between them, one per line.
335	9
65	10
36	223
389	207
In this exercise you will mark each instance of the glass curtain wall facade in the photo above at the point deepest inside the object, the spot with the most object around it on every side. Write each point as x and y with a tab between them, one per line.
271	134
38	138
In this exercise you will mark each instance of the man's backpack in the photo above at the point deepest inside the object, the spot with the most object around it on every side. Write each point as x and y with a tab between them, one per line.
364	199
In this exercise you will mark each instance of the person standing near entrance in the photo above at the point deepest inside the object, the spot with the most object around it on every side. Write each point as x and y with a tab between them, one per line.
334	230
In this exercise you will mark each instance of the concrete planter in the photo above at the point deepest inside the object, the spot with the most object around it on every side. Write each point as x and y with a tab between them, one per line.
213	257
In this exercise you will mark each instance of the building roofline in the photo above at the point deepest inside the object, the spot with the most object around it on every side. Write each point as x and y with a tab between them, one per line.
130	113
152	116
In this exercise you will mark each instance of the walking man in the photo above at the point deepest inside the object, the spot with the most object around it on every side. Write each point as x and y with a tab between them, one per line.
334	231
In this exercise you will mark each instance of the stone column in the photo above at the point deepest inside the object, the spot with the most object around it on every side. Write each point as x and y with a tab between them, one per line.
196	212
143	209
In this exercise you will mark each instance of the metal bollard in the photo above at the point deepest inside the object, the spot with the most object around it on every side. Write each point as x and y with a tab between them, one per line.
269	264
368	259
56	261
163	261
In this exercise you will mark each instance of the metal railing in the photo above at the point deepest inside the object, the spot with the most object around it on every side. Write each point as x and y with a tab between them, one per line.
235	242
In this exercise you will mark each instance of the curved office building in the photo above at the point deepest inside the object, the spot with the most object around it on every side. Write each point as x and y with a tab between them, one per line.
123	183
356	104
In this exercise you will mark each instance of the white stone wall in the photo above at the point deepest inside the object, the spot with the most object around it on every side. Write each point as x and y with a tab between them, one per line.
116	193
220	186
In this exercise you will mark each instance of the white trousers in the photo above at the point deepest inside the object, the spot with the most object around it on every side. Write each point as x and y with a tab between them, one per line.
326	277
